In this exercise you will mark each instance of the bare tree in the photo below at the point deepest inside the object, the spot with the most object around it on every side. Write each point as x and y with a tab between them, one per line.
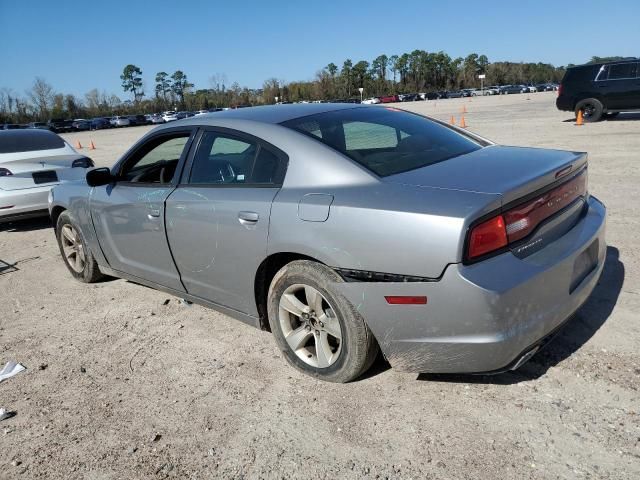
41	95
92	98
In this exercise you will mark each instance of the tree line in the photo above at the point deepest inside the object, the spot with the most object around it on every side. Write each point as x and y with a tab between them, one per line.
417	71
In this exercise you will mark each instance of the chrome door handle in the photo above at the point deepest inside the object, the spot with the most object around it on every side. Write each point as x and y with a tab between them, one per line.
154	212
248	218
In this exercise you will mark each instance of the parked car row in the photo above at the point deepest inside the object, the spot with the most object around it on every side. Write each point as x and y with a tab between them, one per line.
58	125
465	92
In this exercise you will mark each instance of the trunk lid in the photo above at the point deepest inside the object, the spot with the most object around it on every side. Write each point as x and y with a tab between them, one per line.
23	170
512	172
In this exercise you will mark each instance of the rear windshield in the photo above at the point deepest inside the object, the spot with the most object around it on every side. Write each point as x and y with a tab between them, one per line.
29	141
386	141
583	73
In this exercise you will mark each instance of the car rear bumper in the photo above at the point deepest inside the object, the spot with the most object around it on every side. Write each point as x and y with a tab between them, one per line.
486	317
24	203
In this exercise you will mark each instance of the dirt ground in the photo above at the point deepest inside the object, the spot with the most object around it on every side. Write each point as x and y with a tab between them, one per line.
126	382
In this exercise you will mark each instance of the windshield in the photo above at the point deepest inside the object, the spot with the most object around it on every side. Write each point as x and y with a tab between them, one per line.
386	141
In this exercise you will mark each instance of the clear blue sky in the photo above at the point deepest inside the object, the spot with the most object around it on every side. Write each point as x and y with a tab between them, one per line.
80	45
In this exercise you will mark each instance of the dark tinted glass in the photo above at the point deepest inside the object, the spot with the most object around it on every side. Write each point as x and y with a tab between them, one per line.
622	70
222	160
385	140
12	141
266	169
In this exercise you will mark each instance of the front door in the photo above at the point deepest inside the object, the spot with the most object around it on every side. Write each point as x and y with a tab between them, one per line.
129	216
218	217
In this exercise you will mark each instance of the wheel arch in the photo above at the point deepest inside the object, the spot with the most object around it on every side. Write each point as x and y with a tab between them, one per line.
586	96
55	214
264	275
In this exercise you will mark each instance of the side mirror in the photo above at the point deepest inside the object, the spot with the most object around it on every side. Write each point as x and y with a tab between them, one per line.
99	176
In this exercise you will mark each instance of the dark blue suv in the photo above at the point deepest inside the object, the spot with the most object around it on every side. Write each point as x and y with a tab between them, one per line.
601	90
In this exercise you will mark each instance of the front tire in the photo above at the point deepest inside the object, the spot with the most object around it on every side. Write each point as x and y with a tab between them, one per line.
591	109
317	329
75	253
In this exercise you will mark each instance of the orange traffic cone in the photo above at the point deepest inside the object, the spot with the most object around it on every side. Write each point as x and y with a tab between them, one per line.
452	121
463	109
462	122
92	146
579	119
78	145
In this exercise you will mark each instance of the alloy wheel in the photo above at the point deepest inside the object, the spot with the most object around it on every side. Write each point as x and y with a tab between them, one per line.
72	248
310	326
588	110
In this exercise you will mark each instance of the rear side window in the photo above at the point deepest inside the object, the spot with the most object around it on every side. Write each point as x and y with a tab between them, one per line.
14	141
226	160
386	141
621	71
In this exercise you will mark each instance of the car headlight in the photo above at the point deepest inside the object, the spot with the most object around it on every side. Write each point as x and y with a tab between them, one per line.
84	162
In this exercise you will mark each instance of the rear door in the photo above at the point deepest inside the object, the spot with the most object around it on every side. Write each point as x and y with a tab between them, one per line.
129	216
619	85
218	217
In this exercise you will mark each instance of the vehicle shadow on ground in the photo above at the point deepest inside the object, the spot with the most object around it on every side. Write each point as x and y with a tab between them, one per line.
621	117
28	225
571	337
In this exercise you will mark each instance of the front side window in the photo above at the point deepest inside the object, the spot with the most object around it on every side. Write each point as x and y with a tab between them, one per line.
622	71
156	161
384	140
225	160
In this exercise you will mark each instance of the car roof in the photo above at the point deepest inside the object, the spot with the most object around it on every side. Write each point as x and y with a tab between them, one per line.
272	113
587	65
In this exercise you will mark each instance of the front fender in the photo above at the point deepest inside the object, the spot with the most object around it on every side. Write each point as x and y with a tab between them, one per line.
76	198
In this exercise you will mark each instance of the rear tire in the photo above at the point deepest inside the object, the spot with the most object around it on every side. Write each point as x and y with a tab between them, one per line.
591	108
323	336
75	253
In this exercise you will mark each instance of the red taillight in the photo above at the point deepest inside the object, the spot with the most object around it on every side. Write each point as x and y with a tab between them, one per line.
523	219
487	237
559	89
405	300
519	222
4	172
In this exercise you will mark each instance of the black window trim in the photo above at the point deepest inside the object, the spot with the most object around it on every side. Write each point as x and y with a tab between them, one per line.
282	157
165	132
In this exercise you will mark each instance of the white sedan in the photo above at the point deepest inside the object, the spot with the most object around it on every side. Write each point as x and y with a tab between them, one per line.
120	121
371	101
31	163
169	116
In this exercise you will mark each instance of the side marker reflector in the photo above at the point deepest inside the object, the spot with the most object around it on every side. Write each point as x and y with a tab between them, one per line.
405	300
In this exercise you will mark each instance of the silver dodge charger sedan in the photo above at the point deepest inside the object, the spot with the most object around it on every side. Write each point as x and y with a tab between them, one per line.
345	230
